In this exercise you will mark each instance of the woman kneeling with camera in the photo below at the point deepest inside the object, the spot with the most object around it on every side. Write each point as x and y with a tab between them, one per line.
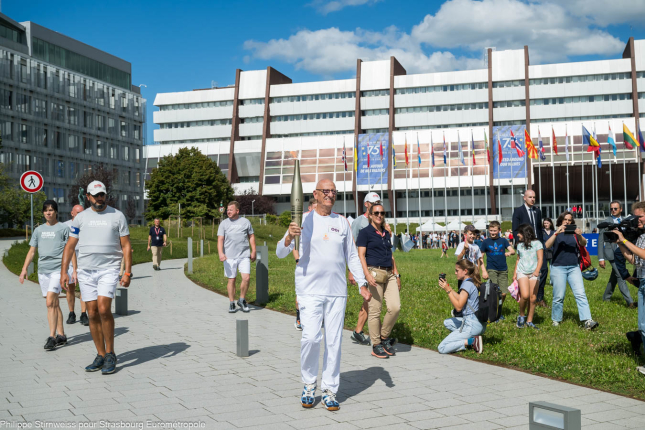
466	331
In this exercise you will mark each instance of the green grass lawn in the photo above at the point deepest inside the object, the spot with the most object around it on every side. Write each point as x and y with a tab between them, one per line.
601	359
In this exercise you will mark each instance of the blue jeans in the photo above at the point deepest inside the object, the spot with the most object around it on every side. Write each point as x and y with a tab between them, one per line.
641	308
571	274
455	341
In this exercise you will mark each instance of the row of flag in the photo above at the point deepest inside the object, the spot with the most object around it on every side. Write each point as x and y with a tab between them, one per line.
589	139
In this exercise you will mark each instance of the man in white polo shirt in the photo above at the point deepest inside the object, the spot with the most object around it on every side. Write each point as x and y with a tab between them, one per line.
327	249
103	239
71	290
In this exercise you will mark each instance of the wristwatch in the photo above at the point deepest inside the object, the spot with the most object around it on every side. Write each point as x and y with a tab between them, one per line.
398	275
364	285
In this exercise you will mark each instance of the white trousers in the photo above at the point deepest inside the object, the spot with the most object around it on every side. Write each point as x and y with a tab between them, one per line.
313	309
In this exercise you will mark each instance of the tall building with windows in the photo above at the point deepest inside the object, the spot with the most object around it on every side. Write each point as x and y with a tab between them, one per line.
66	107
256	128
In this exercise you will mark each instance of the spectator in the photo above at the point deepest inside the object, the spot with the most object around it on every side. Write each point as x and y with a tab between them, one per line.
566	268
547	232
497	249
466	331
527	271
444	248
580	214
467	250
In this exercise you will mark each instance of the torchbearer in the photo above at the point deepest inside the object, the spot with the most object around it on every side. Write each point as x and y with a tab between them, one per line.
327	249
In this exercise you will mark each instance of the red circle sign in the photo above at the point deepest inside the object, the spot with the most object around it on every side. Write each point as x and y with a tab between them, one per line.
31	181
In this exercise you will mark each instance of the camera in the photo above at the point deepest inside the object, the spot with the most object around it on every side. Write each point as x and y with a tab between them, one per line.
442	276
570	229
628	227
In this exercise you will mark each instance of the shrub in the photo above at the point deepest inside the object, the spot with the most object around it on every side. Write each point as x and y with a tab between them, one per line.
271	219
285	219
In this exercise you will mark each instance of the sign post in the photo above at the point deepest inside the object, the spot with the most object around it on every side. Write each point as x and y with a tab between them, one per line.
32	182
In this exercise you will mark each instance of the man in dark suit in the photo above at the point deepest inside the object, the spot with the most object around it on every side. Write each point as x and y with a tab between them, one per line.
530	214
606	252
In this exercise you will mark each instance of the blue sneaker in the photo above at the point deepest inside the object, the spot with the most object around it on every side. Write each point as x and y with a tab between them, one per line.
97	364
520	321
308	396
530	324
110	364
329	400
501	318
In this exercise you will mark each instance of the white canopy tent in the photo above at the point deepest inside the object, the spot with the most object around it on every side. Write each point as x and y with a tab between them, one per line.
430	226
480	224
456	226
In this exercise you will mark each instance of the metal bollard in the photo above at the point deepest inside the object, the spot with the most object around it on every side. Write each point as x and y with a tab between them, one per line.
201	247
242	331
121	301
262	275
190	255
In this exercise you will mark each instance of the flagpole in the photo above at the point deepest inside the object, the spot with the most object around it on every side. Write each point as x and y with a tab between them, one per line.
512	180
499	177
472	177
382	170
369	181
583	185
407	188
638	161
540	165
598	170
486	173
459	178
393	203
553	145
344	178
566	147
624	174
419	181
445	186
432	176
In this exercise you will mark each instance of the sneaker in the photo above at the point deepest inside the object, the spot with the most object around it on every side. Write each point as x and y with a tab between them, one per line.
590	324
99	360
641	369
390	341
520	321
297	325
361	338
231	308
154	267
478	344
533	326
379	352
329	401
71	319
61	339
389	350
308	396
555	323
109	365
84	319
242	304
632	305
50	345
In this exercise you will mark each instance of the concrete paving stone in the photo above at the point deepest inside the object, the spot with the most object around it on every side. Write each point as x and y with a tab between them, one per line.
182	415
481	425
314	422
113	416
100	408
484	416
462	409
512	421
420	415
235	407
611	415
355	416
51	415
251	421
606	426
159	408
404	409
439	423
337	426
47	407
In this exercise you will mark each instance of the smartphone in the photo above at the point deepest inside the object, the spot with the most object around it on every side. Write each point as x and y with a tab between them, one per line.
570	229
442	276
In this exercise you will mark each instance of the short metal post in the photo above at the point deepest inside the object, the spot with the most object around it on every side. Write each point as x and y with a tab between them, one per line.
201	247
262	275
190	255
242	331
121	301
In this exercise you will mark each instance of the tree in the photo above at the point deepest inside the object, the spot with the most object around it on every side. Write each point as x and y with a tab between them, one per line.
130	209
98	172
262	204
188	178
15	203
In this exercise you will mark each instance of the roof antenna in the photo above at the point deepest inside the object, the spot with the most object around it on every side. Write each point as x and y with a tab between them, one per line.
213	83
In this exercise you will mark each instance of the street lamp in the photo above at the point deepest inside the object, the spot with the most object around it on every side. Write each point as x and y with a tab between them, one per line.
252	210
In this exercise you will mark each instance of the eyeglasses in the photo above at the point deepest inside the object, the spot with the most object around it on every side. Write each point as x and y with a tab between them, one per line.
378	213
615	209
327	191
99	195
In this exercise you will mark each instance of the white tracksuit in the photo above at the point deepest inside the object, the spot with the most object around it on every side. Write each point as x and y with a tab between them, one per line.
327	249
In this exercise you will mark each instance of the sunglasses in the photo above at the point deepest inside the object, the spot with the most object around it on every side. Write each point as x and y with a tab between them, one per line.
327	192
378	213
615	209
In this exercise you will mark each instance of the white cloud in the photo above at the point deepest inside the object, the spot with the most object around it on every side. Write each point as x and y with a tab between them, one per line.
553	33
325	7
606	12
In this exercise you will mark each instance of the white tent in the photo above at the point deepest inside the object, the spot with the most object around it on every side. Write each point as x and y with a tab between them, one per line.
455	226
480	224
430	226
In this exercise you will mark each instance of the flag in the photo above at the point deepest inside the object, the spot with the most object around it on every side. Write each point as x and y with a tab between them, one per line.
529	145
486	144
513	143
566	143
344	155
640	137
418	150
461	153
554	144
499	151
472	146
628	138
445	154
540	146
515	146
393	158
407	161
356	155
368	155
381	148
611	140
598	158
588	139
431	149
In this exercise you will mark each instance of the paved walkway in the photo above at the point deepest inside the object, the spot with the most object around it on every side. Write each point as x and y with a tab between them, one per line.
177	361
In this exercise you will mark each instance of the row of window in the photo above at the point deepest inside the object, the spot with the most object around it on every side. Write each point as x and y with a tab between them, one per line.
189	141
582	78
252	120
249	102
581	99
640	74
440	126
312	97
203	105
508	84
509	103
10	33
189	124
376	93
442	88
574	118
373	112
312	116
441	108
318	133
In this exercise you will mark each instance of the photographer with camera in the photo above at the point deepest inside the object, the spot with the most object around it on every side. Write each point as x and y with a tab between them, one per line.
606	252
565	267
635	254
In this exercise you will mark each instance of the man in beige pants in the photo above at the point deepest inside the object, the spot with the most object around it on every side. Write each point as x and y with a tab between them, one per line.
156	241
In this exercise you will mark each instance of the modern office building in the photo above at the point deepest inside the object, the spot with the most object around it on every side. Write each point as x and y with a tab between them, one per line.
258	127
66	107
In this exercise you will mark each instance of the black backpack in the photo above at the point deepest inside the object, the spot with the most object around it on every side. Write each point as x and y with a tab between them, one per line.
490	303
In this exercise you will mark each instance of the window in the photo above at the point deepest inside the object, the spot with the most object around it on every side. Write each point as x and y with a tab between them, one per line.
248	102
310	97
23	103
442	88
100	148
60	169
196	105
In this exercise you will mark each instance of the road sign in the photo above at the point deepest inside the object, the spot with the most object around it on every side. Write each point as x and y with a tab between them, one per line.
221	210
31	181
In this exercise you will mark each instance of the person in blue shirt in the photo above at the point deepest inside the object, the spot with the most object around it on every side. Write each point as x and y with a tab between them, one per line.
497	248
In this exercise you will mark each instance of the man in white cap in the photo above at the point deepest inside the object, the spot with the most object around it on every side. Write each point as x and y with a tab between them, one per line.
360	223
71	288
103	238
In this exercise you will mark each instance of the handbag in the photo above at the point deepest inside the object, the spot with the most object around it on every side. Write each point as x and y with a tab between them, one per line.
380	276
514	291
583	256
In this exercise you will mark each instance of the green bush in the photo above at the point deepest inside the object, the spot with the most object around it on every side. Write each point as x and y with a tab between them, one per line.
271	219
285	219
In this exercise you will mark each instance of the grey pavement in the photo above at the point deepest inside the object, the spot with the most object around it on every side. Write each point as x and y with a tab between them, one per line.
177	362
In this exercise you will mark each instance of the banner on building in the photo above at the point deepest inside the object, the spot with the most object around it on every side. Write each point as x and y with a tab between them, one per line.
512	165
377	145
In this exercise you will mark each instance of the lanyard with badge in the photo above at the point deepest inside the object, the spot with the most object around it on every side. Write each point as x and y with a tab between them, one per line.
157	232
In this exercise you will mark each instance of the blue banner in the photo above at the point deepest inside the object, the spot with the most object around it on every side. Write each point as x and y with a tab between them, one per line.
378	171
592	243
513	166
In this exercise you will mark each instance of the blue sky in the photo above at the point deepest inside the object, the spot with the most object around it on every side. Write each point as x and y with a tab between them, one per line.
179	46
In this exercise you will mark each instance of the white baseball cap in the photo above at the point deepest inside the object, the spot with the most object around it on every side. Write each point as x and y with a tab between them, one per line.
96	187
372	198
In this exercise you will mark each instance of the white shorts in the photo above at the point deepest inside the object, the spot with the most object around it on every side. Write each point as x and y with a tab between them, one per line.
94	283
521	275
232	266
49	283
